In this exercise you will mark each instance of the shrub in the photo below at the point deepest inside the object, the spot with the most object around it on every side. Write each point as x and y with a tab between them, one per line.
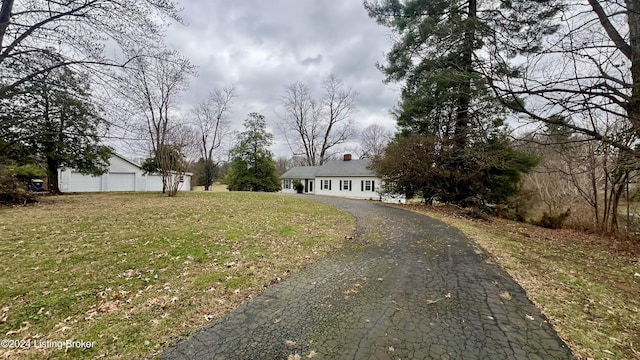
12	189
297	184
553	221
28	172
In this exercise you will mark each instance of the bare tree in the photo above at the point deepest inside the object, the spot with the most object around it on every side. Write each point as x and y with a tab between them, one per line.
210	119
588	70
282	165
373	140
172	159
299	121
74	33
153	86
313	128
580	170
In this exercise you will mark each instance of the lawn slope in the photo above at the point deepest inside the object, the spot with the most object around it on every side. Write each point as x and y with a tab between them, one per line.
133	272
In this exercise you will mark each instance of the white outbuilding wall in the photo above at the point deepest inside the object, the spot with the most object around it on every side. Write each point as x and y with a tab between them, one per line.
123	175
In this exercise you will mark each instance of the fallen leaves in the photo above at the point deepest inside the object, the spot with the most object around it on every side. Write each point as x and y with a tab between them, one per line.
162	302
131	274
446	296
5	315
505	296
144	266
24	326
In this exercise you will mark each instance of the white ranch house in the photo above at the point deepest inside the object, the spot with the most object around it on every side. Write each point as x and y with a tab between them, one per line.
345	178
123	175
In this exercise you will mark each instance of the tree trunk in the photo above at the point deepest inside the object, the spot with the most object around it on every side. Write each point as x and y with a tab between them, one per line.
633	18
52	173
464	100
5	16
209	173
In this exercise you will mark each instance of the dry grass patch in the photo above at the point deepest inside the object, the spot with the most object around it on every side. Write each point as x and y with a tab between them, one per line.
135	272
587	287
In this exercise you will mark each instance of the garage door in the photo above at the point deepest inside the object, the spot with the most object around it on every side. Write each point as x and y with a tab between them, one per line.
122	182
84	183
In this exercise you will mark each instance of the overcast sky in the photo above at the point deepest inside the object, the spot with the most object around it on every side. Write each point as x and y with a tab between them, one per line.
262	46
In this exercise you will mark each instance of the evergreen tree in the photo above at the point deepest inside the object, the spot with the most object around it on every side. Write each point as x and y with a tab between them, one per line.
55	118
442	53
445	50
253	168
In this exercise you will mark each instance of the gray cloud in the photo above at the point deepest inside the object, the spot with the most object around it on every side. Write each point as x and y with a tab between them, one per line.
261	46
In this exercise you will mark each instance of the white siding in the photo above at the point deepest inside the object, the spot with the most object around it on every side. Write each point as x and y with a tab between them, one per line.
153	183
118	165
357	190
121	182
186	186
290	189
83	183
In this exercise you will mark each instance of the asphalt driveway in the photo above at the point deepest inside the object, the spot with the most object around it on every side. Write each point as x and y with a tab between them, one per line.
410	287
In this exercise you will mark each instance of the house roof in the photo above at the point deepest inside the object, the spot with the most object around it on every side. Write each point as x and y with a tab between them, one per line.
331	169
301	172
346	168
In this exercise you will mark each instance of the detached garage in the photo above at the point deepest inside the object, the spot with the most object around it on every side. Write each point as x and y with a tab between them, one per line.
123	175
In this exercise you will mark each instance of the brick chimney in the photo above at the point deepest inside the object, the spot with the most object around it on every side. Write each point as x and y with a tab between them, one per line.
347	157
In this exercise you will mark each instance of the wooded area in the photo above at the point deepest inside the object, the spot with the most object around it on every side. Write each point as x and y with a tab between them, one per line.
564	74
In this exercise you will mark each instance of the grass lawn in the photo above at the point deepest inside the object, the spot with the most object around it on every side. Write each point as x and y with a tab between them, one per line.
133	272
589	291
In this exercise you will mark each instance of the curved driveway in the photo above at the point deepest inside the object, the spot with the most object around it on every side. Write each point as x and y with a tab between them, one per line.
410	288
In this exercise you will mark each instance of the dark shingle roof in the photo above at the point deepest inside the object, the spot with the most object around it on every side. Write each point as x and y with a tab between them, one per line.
301	172
331	168
346	168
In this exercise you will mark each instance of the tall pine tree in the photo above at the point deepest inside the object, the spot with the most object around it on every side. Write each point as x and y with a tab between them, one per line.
443	53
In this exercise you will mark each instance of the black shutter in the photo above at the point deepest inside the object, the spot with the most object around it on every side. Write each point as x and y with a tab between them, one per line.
349	185
329	184
373	185
361	185
340	185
